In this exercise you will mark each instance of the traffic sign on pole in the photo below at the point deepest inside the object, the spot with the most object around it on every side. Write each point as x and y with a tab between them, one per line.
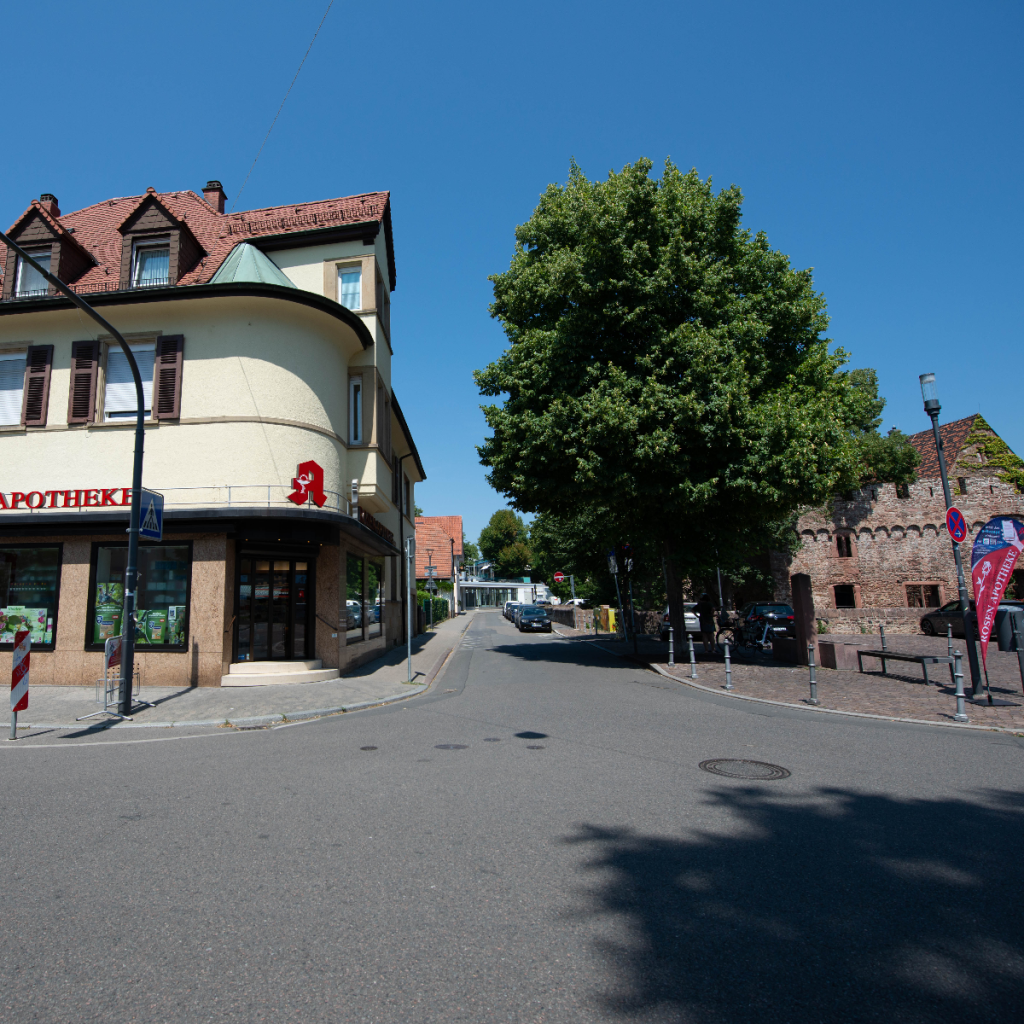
559	577
151	525
956	524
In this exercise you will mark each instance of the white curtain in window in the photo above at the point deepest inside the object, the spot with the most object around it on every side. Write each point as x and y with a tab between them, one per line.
152	266
30	281
350	287
119	395
12	384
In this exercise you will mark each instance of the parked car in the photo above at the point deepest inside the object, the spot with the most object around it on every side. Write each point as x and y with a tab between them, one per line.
689	618
752	617
507	610
935	622
533	618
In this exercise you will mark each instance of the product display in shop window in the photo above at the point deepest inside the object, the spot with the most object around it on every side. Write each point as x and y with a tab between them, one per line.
162	596
28	592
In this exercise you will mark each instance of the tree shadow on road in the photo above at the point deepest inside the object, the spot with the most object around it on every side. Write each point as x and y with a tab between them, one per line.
844	907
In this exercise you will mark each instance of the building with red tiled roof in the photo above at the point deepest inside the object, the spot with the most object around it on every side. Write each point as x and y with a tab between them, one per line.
438	540
264	345
886	547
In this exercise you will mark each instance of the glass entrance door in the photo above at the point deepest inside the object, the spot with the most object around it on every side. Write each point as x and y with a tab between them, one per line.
273	609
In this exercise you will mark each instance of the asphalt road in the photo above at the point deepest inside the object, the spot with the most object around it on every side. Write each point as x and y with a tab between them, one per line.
567	861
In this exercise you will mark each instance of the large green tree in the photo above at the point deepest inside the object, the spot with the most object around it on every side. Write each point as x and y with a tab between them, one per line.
667	375
505	542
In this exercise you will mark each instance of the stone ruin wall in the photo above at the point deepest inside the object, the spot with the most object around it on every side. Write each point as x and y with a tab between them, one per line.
893	541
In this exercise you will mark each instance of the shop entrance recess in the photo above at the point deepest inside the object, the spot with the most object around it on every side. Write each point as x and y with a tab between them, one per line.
274	600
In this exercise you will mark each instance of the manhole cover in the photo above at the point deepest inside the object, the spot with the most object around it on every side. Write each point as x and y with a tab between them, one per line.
450	746
367	748
734	769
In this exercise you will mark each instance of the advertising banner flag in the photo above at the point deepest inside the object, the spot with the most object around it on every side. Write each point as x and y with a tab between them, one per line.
996	548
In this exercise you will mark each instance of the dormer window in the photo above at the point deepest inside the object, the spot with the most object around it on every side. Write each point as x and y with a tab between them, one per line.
151	263
30	282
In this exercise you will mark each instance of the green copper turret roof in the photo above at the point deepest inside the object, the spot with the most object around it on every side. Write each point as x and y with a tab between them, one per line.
246	263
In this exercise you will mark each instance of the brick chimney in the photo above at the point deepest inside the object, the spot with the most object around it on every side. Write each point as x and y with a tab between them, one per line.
214	195
49	203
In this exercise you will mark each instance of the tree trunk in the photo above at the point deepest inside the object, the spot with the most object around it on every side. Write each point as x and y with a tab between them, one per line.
674	589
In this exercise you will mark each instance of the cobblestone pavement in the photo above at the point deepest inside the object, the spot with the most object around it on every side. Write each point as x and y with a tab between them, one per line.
901	693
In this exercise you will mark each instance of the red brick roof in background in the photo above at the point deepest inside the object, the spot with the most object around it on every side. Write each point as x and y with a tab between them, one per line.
96	228
436	533
953	437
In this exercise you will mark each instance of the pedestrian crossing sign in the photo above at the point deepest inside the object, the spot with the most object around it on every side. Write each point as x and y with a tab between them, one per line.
151	525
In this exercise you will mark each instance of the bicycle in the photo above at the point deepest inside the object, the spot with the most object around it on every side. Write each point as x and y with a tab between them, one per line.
737	636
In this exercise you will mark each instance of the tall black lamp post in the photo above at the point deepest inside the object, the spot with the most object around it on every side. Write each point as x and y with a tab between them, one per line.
930	395
124	697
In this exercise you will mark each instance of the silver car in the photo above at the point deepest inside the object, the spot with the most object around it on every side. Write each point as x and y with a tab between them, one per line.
689	618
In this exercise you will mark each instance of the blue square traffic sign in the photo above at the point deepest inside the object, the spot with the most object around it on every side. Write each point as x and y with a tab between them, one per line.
151	516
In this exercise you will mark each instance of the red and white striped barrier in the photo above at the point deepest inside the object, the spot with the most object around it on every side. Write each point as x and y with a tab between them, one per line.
19	677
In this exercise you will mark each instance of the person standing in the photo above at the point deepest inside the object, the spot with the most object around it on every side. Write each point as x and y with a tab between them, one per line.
706	617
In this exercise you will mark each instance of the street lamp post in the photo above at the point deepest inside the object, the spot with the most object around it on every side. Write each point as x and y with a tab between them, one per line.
124	697
930	394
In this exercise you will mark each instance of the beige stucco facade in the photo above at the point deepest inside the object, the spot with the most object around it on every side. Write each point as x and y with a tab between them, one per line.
264	387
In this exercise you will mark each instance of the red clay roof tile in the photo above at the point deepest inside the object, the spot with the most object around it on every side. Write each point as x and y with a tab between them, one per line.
953	436
435	533
96	228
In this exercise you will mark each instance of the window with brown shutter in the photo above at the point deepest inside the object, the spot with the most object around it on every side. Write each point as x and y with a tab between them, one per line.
82	397
167	372
38	361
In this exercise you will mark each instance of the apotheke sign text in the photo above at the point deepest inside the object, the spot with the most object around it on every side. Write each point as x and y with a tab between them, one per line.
99	497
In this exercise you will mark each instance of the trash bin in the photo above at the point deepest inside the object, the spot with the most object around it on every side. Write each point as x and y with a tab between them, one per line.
1003	629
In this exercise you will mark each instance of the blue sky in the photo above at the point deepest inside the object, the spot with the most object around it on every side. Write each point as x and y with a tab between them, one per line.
879	143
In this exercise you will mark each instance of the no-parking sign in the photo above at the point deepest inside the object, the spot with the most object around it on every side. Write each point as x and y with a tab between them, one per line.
956	524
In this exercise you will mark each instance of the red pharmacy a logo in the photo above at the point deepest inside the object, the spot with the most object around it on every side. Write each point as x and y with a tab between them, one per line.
308	483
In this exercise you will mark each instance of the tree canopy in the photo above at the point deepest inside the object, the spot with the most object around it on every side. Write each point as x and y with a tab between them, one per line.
667	374
505	542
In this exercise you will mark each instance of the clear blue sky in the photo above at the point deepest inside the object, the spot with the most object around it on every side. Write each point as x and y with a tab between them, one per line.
879	143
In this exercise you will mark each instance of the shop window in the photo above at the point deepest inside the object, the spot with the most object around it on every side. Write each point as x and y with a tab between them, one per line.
375	596
29	587
161	605
923	595
845	595
844	545
354	600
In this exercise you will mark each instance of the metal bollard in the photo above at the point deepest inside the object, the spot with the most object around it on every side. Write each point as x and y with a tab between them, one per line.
949	640
728	667
671	647
693	657
14	725
958	675
881	630
814	681
1015	618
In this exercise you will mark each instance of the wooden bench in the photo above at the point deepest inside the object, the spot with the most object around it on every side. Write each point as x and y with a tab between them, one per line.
924	660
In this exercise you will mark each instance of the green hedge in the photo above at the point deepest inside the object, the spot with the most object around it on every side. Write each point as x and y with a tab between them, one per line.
440	606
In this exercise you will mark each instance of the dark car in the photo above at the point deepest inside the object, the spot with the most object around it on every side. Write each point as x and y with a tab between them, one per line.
935	622
533	618
752	619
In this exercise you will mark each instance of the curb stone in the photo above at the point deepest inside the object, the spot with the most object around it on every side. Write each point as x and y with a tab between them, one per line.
796	707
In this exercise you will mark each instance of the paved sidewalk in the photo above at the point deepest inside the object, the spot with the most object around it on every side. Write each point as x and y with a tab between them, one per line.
378	682
901	694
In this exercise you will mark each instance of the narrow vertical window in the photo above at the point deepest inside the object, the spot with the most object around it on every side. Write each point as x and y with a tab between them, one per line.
12	388
355	410
350	283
